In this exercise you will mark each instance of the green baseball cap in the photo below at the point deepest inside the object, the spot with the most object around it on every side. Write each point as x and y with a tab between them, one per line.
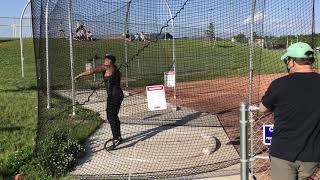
298	50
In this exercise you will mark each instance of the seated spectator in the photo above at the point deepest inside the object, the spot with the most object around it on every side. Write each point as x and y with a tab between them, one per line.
81	32
89	36
80	26
128	36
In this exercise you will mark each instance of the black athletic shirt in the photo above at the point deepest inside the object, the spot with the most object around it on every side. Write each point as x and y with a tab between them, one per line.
113	83
295	101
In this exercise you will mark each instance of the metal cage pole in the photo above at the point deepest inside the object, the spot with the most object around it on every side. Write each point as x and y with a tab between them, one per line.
71	59
126	29
173	50
14	33
21	40
313	34
47	54
251	53
94	65
250	86
244	161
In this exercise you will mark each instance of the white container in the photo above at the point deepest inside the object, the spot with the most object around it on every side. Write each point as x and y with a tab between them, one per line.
88	66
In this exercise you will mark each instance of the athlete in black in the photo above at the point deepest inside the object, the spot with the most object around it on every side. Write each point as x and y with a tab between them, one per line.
112	78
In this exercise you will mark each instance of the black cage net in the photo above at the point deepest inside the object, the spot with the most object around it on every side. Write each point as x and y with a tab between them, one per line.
185	68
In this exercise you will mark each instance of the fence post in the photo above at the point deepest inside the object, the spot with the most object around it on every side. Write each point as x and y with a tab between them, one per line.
244	161
47	55
71	59
21	39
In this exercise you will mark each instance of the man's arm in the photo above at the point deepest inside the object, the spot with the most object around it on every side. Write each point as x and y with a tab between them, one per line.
263	109
90	71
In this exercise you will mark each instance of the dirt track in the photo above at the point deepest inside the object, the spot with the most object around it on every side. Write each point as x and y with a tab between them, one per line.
222	97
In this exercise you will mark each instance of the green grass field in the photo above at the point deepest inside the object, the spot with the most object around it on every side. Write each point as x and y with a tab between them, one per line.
18	100
195	60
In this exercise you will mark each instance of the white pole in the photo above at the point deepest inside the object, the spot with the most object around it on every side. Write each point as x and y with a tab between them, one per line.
250	87
47	54
126	29
173	51
94	65
251	52
21	40
126	60
71	59
14	32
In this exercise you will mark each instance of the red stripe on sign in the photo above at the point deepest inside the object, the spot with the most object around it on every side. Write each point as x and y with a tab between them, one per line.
169	73
154	88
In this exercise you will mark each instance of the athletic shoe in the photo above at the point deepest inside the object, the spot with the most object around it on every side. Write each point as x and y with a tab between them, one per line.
117	141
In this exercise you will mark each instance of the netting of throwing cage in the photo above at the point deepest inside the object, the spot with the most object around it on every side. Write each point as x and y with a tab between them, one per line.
208	55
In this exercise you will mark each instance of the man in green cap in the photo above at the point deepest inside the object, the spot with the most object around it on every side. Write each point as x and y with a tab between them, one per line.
295	101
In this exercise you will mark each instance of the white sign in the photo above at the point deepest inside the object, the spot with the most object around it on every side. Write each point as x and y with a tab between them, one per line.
88	66
156	98
169	79
267	134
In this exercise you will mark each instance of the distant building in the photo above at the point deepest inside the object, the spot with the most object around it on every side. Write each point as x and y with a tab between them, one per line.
259	42
153	36
165	36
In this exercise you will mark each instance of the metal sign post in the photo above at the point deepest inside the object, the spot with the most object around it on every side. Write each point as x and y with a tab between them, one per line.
244	160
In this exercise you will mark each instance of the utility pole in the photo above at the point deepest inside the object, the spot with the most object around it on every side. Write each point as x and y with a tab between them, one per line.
14	33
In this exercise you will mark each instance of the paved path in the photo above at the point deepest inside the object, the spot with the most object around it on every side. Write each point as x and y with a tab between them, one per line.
169	143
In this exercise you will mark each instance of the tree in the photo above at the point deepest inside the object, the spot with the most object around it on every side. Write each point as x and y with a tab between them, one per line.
211	32
255	35
240	38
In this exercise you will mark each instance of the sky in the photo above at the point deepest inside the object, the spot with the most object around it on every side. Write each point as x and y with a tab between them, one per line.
13	8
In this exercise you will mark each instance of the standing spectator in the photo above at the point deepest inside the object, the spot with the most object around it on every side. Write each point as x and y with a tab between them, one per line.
142	37
294	99
136	37
89	36
61	30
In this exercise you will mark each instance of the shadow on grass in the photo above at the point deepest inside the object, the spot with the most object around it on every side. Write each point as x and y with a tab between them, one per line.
226	46
20	88
6	40
13	128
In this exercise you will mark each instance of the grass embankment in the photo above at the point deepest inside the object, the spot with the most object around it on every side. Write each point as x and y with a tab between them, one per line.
18	101
18	120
